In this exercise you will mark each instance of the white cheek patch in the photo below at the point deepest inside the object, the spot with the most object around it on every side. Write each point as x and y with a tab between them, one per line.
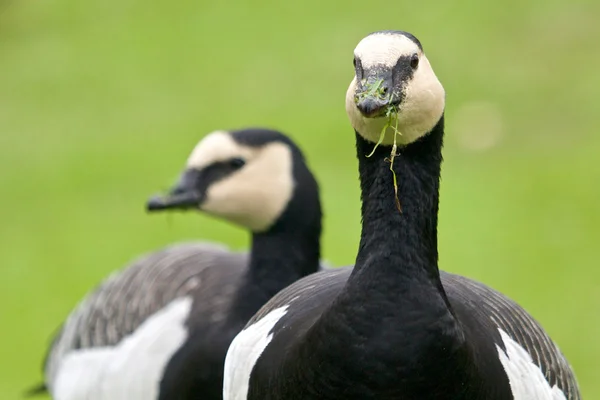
243	353
384	49
423	103
130	370
527	382
217	146
256	195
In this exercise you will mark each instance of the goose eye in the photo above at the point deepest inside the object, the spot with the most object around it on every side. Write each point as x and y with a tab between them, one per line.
237	162
414	61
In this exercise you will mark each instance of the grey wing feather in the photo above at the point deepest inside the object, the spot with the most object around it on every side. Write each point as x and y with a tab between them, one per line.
127	297
521	327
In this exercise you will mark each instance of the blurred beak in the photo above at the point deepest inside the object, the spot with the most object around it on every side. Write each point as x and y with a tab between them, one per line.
373	96
372	107
183	196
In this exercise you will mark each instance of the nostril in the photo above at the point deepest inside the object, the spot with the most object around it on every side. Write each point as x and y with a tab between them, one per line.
384	90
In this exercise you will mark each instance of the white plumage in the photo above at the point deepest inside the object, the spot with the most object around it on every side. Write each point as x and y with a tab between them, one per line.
244	351
527	381
131	369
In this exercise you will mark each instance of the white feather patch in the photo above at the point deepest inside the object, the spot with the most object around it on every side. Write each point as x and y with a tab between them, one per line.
130	370
527	381
243	353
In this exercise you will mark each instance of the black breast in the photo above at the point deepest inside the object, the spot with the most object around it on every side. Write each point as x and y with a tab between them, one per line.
480	310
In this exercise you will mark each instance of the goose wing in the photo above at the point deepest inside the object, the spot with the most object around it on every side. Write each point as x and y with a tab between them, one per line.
518	327
127	298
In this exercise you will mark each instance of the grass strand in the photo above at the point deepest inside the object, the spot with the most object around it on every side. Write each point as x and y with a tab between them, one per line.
374	90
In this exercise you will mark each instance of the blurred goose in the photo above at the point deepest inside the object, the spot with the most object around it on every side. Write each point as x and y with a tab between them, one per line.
394	327
160	328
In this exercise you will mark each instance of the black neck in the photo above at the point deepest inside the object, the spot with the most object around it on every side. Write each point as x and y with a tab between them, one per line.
280	256
396	272
403	243
392	318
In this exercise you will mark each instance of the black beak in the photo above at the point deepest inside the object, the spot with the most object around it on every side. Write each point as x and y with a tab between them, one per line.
372	107
374	95
183	196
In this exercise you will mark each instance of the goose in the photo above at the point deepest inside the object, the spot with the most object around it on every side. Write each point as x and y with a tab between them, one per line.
394	326
160	328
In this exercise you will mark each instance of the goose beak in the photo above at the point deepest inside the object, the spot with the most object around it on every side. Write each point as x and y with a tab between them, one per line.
183	196
374	94
372	107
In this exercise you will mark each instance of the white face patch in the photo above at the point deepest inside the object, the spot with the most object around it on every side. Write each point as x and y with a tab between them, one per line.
256	194
384	49
130	370
424	96
214	147
243	353
527	382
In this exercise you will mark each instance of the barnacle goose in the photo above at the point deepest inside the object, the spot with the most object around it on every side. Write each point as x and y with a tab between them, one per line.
160	328
395	327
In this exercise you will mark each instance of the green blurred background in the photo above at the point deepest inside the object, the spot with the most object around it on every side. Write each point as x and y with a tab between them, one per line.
102	100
